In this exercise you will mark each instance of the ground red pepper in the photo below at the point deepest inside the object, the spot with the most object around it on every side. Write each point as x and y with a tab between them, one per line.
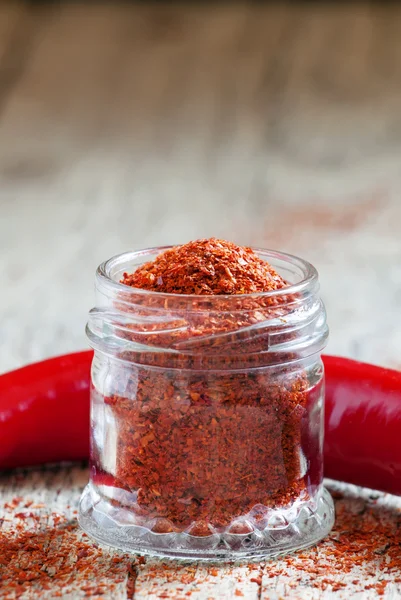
47	552
361	553
201	450
206	267
362	549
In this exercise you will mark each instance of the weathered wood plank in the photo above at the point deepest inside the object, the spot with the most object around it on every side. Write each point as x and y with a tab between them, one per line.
345	565
328	571
43	503
199	582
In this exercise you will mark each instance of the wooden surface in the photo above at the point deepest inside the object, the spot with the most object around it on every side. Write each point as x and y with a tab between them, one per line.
126	125
129	125
369	569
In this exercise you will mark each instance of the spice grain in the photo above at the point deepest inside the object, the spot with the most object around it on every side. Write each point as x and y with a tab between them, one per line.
206	267
201	449
44	554
361	555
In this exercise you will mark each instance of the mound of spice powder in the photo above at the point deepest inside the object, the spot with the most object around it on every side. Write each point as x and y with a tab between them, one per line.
208	266
203	447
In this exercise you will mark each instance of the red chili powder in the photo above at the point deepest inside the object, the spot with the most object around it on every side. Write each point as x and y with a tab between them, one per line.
40	552
363	549
49	553
203	444
206	267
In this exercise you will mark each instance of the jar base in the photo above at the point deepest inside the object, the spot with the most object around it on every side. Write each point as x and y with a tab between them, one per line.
286	531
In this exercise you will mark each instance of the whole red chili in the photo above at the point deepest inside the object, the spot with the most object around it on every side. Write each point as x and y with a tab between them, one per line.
44	411
363	418
363	424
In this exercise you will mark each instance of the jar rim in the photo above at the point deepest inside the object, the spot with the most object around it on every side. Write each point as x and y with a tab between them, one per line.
308	281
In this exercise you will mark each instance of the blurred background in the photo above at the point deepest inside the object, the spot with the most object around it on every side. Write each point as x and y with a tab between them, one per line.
125	125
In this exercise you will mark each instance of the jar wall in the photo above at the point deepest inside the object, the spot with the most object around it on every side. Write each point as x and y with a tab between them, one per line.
213	461
218	464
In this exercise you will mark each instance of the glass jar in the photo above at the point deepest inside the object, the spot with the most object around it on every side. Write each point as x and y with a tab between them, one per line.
207	417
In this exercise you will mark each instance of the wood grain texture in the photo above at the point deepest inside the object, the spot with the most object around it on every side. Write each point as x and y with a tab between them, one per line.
47	494
308	575
135	124
126	125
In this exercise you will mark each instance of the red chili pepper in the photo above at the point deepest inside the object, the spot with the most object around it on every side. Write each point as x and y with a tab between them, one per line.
44	417
44	411
363	424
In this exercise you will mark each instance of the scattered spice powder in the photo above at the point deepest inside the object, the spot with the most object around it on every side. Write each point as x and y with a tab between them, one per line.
40	554
43	552
207	437
363	548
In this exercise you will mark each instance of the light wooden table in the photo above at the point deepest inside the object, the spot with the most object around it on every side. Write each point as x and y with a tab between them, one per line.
127	125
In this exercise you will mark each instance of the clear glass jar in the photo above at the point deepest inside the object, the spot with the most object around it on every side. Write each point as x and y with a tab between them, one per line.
207	417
